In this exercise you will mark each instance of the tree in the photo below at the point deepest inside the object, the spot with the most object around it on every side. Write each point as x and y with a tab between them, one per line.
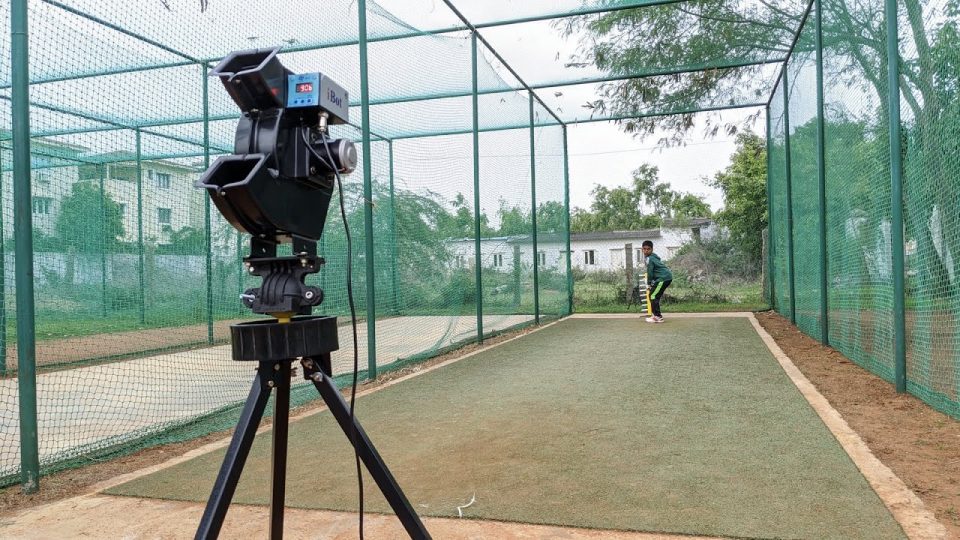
185	241
514	221
461	222
743	184
625	42
88	220
625	208
551	217
854	33
688	205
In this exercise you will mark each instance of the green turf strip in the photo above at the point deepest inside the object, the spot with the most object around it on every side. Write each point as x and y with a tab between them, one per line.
685	427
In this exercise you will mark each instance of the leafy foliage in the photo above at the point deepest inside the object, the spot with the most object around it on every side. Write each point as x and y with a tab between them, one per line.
744	189
89	220
642	205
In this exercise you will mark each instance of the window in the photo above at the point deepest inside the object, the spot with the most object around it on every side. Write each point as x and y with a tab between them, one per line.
543	258
163	216
123	210
497	260
461	261
41	205
41	177
640	256
588	257
163	180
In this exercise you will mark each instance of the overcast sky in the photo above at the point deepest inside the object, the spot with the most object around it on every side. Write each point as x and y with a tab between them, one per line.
600	153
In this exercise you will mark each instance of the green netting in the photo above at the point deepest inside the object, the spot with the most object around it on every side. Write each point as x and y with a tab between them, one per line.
930	117
804	179
780	228
551	219
857	160
137	277
860	213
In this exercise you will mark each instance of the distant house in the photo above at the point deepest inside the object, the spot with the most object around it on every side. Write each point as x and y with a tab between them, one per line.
500	252
590	251
605	250
170	201
53	171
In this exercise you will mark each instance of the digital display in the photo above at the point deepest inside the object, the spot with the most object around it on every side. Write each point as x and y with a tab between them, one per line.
304	88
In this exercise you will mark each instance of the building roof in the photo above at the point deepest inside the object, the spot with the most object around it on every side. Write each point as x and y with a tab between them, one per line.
120	157
670	223
617	235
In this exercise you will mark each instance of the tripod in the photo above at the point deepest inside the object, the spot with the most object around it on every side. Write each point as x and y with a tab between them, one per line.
276	345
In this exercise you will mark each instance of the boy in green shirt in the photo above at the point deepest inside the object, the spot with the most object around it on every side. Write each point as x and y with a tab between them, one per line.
658	279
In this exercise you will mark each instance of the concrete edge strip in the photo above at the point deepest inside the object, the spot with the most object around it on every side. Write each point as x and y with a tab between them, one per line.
707	315
223	443
913	516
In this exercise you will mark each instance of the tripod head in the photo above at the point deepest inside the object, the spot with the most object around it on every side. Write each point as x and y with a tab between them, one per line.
278	183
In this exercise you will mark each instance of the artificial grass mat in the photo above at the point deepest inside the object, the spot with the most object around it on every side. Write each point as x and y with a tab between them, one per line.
685	427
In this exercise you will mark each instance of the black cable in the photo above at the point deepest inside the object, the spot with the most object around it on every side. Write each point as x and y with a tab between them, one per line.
353	314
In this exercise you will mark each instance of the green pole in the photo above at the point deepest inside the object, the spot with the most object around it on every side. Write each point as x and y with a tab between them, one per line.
240	271
566	206
896	199
477	252
206	205
3	284
103	243
786	144
533	213
393	228
822	177
367	194
770	242
23	244
140	268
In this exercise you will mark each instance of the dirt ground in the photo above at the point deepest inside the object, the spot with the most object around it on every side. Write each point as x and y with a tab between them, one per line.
920	445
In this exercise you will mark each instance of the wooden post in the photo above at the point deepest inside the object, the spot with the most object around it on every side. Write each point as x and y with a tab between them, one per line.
628	266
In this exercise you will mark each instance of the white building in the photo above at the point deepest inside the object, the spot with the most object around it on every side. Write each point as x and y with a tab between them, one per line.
601	251
170	201
53	174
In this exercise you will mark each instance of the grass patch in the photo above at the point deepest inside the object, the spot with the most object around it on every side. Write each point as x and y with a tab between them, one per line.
605	293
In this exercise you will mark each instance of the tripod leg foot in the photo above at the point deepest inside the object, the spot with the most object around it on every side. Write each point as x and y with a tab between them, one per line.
237	452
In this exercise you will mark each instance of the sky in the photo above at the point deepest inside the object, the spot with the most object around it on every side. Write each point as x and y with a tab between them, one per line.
600	152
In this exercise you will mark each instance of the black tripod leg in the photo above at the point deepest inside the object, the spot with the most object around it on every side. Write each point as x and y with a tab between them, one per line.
237	452
281	418
368	453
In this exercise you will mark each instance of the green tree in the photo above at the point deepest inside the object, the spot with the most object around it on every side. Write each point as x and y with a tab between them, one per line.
514	221
551	217
461	222
743	184
185	241
644	204
688	205
854	33
89	222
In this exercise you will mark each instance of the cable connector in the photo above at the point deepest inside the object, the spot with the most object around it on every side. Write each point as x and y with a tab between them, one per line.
324	119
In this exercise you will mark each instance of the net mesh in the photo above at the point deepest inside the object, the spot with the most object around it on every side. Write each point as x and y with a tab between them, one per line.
137	277
859	209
